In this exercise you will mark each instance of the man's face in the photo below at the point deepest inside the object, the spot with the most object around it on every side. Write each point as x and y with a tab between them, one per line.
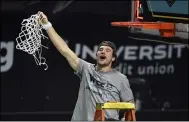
105	56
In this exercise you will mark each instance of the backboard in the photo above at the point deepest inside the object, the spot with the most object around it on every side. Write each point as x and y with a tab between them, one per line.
175	11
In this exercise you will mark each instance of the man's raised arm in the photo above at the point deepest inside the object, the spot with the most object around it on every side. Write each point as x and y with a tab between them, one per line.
59	43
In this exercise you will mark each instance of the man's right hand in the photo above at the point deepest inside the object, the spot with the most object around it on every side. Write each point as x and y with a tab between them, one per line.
42	17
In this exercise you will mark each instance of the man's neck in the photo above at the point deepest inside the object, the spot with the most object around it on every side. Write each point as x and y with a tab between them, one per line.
104	69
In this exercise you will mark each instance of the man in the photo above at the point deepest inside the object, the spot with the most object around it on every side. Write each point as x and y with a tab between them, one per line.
100	83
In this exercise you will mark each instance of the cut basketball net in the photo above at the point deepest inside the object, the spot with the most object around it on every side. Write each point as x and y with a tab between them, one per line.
29	39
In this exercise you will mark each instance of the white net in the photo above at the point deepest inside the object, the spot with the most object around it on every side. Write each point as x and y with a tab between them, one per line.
29	39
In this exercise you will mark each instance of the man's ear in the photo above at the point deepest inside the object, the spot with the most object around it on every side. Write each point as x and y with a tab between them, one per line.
113	59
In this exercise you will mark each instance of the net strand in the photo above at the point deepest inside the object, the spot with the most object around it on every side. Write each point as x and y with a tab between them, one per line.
29	39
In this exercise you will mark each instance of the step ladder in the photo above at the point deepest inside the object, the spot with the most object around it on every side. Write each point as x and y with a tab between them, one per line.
129	107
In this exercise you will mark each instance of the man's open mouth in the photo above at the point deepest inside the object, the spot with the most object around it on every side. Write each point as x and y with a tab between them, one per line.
102	57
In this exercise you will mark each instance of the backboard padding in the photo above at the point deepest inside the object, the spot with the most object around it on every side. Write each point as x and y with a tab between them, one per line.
161	10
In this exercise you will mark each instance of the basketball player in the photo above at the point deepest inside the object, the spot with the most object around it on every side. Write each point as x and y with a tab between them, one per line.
99	83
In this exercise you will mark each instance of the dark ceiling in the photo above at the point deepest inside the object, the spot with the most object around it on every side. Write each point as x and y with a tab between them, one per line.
119	8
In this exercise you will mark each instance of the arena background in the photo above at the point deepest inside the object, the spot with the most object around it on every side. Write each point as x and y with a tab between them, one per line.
28	92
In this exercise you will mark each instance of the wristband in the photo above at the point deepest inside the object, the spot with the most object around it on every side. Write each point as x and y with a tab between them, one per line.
47	26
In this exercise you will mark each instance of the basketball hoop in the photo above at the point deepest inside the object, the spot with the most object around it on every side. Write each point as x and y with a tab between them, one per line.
29	39
166	29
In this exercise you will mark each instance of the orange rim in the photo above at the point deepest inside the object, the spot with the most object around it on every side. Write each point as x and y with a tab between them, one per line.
147	25
166	29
